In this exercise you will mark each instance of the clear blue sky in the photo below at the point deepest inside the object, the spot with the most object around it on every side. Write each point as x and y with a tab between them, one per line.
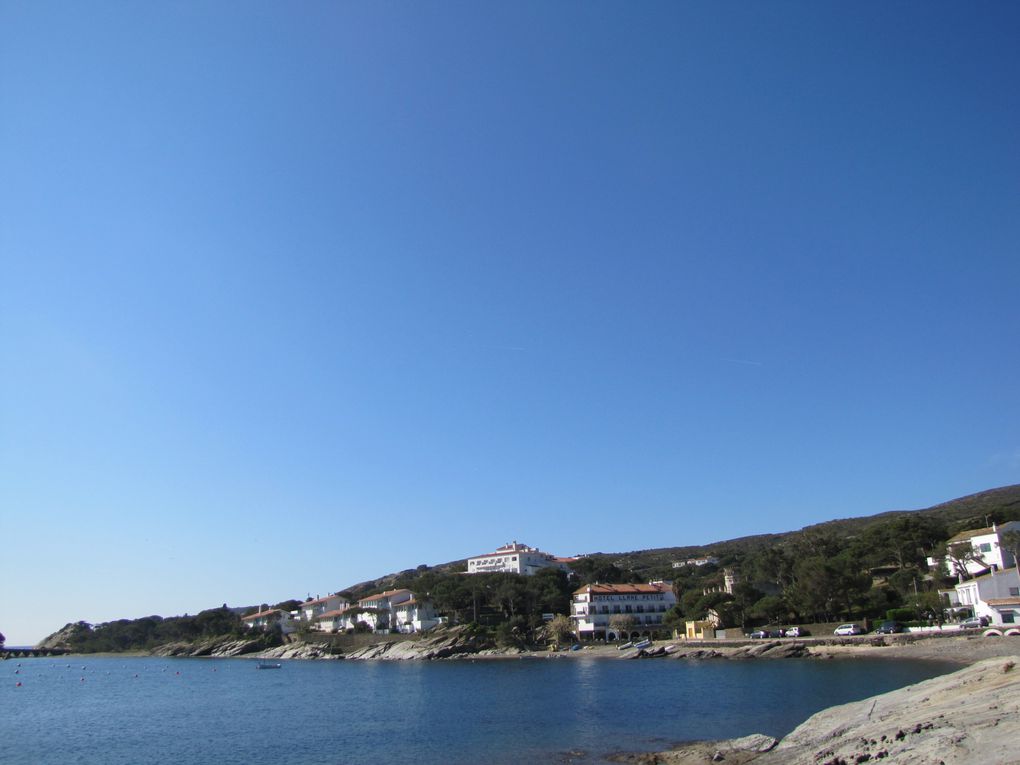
295	295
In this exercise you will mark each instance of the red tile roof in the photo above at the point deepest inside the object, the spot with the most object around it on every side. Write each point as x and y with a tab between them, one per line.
261	613
387	594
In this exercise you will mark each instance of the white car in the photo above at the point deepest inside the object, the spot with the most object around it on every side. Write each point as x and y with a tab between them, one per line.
848	629
793	631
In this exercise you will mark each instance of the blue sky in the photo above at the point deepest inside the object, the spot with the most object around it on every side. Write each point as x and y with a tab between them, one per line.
294	296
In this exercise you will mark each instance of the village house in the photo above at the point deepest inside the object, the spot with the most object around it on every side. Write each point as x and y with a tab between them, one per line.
377	610
985	552
516	558
411	616
638	610
264	620
311	609
995	596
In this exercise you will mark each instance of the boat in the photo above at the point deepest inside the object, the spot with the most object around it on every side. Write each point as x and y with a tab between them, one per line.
268	665
625	646
643	644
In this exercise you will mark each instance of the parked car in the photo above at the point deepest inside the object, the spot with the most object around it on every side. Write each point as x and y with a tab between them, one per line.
760	634
889	628
796	632
974	623
848	629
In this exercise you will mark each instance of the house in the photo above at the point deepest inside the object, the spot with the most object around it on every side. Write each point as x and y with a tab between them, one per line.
377	610
707	560
264	620
701	629
337	620
311	609
594	606
516	558
985	551
995	596
410	616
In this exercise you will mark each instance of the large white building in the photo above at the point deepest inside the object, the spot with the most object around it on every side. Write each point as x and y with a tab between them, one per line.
516	558
593	607
985	551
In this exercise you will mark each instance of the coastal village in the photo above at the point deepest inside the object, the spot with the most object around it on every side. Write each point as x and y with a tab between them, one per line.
987	592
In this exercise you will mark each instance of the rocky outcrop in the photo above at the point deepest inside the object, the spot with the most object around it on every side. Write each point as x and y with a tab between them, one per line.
222	647
735	751
972	715
773	649
969	716
448	643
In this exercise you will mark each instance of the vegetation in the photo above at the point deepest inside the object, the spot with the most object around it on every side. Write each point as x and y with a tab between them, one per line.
150	631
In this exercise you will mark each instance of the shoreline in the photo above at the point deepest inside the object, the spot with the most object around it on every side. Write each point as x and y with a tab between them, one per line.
963	650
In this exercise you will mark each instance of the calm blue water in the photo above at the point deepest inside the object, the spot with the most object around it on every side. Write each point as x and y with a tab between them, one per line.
144	710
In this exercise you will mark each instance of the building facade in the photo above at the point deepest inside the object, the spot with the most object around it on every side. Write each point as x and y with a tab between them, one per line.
516	558
264	620
620	611
411	616
995	596
311	609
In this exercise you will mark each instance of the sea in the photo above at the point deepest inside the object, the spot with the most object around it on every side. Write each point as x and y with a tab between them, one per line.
132	711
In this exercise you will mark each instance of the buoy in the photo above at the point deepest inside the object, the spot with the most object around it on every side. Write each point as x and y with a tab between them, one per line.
17	684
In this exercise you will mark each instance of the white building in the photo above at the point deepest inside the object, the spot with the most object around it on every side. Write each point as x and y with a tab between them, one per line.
986	552
336	620
378	609
311	609
594	606
516	558
414	615
264	620
707	560
995	596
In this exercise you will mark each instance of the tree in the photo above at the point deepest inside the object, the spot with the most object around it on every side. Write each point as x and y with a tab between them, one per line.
960	554
561	629
1010	541
622	624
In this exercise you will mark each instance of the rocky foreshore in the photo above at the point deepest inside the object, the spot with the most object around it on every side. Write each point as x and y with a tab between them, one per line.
972	715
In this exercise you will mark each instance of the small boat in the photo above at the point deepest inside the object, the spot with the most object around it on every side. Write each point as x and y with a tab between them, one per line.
268	665
625	646
643	644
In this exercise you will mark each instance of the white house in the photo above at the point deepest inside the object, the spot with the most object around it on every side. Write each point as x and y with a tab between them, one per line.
516	558
264	620
594	606
378	609
310	609
707	560
986	552
414	615
336	620
995	596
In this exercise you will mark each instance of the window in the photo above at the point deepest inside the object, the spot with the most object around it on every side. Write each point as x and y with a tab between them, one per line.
986	547
1007	618
1014	592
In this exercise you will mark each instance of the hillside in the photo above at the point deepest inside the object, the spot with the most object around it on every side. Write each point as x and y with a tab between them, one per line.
1001	504
972	511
